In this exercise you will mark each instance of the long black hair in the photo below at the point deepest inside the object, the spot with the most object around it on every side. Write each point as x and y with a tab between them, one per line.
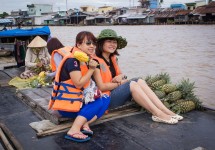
54	44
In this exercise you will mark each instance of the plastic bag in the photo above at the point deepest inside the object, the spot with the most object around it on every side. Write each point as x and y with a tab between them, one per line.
91	93
21	83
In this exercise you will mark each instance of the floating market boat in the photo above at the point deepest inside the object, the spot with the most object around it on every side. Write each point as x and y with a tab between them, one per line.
13	44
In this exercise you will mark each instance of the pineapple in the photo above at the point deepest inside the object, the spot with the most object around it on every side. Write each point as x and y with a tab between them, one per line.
158	84
160	94
187	90
149	79
179	101
168	88
184	106
173	96
162	76
165	77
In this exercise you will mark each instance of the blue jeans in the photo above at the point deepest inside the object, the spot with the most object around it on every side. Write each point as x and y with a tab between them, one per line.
96	108
120	95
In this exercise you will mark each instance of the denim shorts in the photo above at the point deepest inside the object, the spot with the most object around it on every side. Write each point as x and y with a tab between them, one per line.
120	95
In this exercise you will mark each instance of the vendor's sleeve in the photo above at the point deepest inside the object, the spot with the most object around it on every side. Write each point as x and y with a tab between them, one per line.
28	59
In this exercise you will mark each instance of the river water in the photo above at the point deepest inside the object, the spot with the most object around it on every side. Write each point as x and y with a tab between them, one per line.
183	51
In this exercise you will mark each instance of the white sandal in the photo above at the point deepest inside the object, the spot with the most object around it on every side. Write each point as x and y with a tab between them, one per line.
171	121
177	117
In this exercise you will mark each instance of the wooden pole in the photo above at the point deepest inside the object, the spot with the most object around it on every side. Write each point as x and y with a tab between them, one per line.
11	137
5	140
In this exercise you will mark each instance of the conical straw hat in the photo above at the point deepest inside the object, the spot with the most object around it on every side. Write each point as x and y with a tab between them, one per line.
38	42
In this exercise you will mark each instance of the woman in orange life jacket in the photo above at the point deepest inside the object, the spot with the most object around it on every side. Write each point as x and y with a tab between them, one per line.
110	78
57	51
71	79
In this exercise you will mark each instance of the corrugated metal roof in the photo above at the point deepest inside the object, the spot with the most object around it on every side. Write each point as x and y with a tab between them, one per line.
90	18
100	16
210	8
183	12
136	16
3	21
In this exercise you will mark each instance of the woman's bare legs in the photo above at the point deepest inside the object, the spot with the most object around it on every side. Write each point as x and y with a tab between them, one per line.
147	90
143	100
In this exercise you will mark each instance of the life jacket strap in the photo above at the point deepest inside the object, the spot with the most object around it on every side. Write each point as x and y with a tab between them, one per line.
59	97
67	92
65	85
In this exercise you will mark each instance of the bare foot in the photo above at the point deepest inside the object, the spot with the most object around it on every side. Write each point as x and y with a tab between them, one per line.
86	127
76	134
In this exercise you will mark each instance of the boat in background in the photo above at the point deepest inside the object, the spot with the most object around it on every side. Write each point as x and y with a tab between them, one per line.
13	44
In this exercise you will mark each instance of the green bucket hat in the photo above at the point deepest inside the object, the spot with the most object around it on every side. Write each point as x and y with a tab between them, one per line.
109	33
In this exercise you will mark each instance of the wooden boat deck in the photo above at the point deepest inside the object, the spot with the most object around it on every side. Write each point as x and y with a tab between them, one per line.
38	98
6	62
135	131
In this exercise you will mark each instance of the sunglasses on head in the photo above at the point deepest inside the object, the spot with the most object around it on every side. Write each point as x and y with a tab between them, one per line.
88	43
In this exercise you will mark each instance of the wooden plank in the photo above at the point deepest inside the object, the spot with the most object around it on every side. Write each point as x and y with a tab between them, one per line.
7	62
13	72
4	83
105	118
4	75
38	100
41	92
47	89
4	79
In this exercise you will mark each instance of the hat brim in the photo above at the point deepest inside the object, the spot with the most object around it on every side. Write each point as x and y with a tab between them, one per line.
37	42
121	42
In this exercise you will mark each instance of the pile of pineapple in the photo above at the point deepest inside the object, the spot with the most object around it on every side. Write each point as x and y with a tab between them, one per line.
179	98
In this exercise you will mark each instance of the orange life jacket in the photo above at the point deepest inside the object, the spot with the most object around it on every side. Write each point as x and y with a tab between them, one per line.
63	52
105	70
65	96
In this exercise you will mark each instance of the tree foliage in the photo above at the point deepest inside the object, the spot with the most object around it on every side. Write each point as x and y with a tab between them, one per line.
3	15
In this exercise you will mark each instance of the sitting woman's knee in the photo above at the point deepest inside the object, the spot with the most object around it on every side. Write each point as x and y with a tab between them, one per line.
133	85
141	81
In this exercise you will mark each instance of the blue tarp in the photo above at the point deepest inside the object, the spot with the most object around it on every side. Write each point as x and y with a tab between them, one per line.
25	32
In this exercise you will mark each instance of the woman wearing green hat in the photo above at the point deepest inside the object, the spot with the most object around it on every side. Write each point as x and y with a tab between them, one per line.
112	82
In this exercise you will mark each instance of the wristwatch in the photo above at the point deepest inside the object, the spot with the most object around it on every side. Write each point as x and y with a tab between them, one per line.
124	77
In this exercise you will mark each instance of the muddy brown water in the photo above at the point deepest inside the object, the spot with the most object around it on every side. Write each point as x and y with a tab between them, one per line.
183	51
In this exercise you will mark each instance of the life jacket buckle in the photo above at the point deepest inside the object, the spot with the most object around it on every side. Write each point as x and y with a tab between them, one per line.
80	93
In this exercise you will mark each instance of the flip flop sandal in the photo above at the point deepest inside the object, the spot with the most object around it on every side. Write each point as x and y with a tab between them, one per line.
72	138
87	131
